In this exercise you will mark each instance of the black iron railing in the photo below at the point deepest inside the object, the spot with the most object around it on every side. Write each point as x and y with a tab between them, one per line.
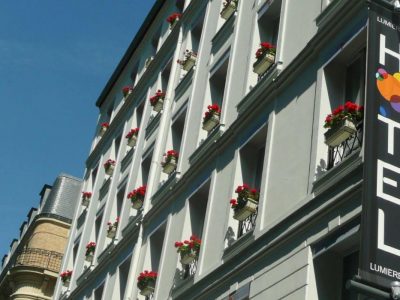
248	224
44	259
190	269
337	154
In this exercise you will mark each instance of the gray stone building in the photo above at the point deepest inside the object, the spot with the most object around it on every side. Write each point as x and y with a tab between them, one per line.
297	235
31	268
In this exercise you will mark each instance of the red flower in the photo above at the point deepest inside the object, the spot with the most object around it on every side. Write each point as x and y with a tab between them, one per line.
132	132
265	48
105	125
158	95
109	162
350	111
233	202
86	194
173	17
126	90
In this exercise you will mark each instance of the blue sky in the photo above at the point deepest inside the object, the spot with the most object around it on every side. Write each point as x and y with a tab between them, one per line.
55	59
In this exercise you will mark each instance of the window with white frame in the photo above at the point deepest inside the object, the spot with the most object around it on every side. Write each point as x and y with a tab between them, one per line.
248	183
343	85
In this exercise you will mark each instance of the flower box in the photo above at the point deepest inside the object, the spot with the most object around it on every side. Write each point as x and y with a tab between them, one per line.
173	19
157	101
126	90
146	282
148	289
102	131
189	60
132	141
170	166
137	204
85	201
109	166
189	63
89	257
247	210
229	9
339	133
111	232
189	249
188	257
211	122
263	63
66	278
158	106
90	248
109	169
137	197
66	283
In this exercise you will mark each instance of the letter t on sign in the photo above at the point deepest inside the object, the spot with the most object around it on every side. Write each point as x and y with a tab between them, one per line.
391	125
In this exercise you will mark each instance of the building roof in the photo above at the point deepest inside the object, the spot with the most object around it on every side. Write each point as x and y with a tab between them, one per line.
63	197
131	49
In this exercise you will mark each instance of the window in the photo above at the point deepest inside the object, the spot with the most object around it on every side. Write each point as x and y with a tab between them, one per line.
99	219
123	277
344	80
117	145
251	167
165	76
339	254
196	31
146	164
98	293
156	245
332	285
268	22
120	199
177	130
75	252
134	73
196	217
217	83
179	5
266	30
94	175
249	171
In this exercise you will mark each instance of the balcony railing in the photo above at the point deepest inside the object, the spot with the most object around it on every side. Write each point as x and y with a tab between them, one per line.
44	259
190	269
339	153
247	224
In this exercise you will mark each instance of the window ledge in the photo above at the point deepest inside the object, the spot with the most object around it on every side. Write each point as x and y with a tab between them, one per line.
107	251
205	146
331	12
133	224
334	175
152	124
104	188
182	286
85	274
127	159
224	33
184	83
164	188
238	246
248	102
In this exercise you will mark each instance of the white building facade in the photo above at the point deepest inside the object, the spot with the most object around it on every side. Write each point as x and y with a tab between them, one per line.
301	239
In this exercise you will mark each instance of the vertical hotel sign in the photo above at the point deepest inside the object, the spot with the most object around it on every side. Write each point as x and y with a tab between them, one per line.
380	239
